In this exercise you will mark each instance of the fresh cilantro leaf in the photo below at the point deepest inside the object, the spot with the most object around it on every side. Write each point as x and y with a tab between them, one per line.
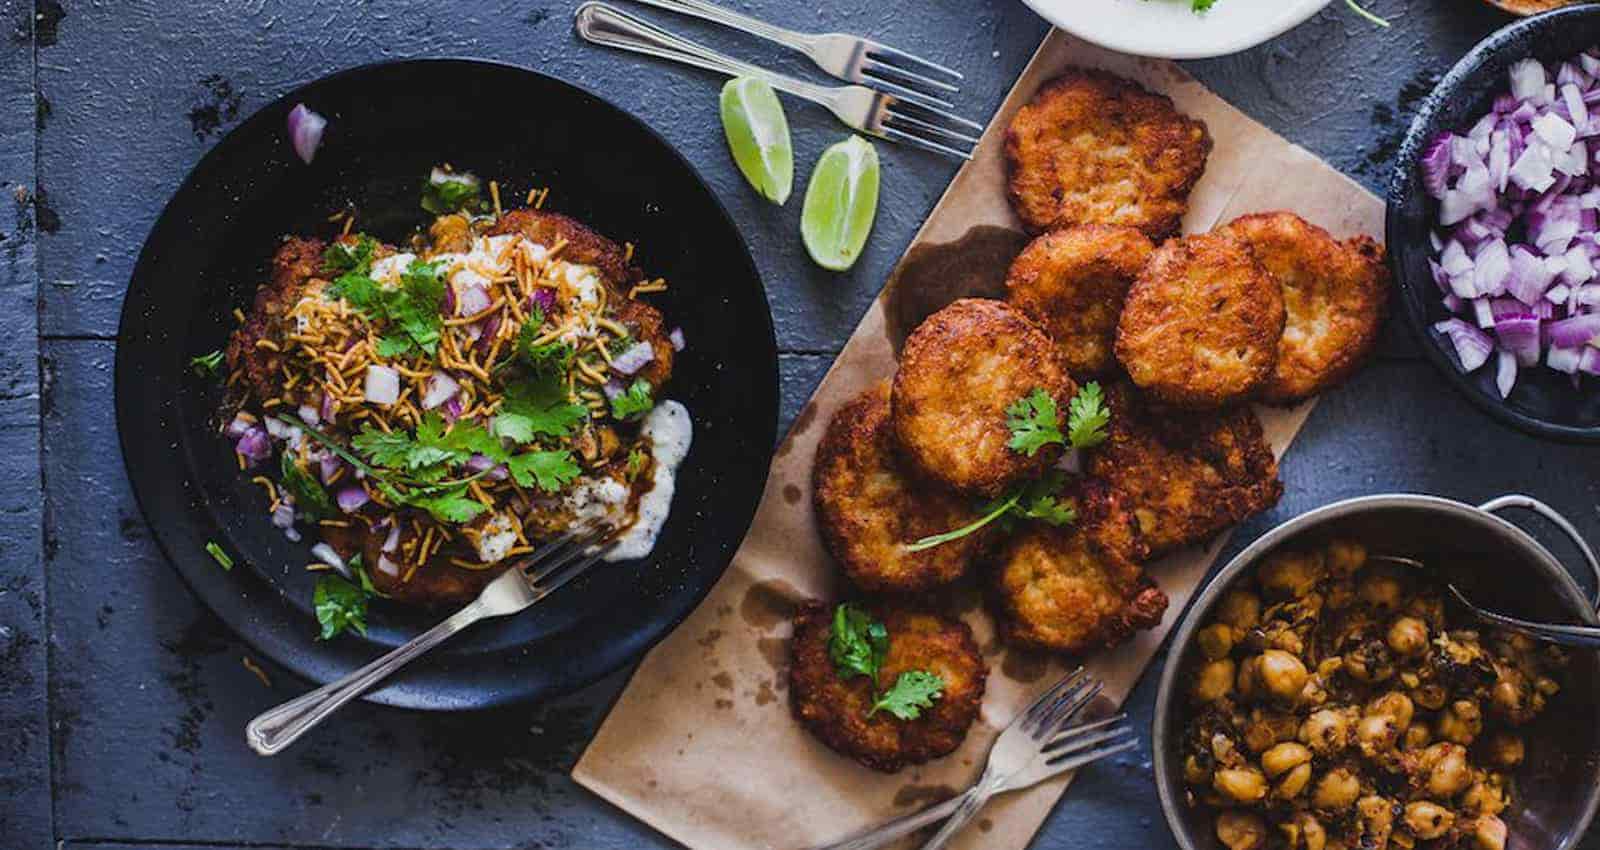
857	643
636	400
636	461
206	365
414	305
354	257
912	692
391	346
359	570
537	406
450	506
384	448
548	470
619	345
1035	500
547	358
340	605
1034	422
309	498
448	193
361	291
1202	5
219	555
1087	416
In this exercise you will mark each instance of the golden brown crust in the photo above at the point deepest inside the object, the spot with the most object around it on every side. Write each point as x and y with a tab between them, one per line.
959	371
1073	282
584	245
1334	297
1094	148
296	262
870	505
1184	476
1201	325
835	710
1077	588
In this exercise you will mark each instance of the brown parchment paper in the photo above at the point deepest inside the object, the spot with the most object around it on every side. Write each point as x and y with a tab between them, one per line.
701	744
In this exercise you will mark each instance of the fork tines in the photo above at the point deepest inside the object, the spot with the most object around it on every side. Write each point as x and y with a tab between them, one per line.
934	129
567	556
887	65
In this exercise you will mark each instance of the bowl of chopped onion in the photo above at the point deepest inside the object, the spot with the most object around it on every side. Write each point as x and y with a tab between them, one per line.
1494	225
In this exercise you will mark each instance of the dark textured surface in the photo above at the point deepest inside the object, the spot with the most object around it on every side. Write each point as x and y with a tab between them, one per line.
147	693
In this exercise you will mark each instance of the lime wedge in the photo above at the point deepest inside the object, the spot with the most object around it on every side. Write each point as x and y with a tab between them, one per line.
758	136
841	201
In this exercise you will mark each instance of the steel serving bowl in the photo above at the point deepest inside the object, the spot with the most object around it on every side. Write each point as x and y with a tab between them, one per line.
1558	787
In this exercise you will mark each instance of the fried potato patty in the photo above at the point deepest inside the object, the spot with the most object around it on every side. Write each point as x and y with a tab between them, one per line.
1077	588
1184	476
1094	148
1201	324
959	371
870	505
835	709
296	262
1334	294
1073	282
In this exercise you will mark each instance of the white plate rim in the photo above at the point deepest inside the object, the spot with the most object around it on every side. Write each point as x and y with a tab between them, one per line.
1054	11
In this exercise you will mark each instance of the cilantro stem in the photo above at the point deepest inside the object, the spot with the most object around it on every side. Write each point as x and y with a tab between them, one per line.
332	445
1356	7
956	534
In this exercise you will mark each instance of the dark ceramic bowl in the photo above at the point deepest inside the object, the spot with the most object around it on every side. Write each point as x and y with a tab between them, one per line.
389	124
1558	787
1543	403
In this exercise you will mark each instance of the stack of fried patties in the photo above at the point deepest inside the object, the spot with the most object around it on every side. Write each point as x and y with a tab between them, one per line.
1176	334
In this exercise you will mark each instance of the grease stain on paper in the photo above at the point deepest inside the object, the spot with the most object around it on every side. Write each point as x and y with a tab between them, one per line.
933	275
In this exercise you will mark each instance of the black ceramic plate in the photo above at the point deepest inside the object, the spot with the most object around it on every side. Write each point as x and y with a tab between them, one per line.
1544	402
388	124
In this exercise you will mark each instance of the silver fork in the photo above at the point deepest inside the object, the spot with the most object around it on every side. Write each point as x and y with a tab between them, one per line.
1035	746
873	112
556	563
847	57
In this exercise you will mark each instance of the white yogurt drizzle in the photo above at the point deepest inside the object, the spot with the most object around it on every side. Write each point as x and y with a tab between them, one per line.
670	432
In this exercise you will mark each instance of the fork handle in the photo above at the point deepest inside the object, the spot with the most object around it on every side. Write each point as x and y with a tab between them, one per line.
892	831
277	728
606	25
727	17
971	803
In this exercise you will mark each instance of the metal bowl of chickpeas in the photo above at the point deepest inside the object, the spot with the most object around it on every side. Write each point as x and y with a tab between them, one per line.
1322	695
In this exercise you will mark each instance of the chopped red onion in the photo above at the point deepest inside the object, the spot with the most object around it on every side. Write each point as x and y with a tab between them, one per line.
388	567
392	542
486	465
1505	375
351	499
612	389
254	445
491	327
452	408
472	300
1519	216
382	385
447	307
305	131
440	389
636	357
1472	346
238	427
328	408
676	337
309	415
543	298
325	554
328	466
283	515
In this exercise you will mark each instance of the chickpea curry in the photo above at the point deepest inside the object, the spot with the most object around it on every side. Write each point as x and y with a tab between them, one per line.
1336	707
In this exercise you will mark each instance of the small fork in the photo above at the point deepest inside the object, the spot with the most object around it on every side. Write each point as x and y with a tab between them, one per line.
1037	745
518	588
846	57
873	112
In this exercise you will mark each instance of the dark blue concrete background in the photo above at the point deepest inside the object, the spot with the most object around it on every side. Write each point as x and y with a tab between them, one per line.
122	701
